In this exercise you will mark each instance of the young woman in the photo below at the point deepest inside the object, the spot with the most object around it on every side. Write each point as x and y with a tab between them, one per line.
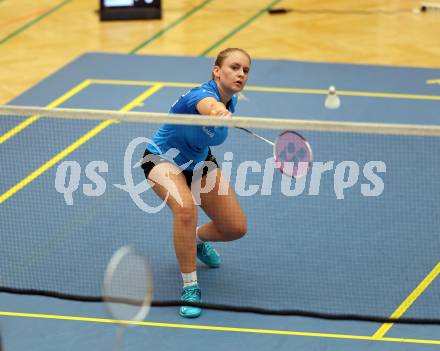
215	98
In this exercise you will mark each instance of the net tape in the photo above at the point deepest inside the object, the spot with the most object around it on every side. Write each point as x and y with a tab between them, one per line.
236	121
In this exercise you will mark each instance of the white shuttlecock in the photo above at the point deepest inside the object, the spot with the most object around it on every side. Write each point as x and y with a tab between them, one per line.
332	100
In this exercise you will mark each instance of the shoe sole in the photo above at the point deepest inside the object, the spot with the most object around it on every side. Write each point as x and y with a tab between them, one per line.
190	316
209	265
213	266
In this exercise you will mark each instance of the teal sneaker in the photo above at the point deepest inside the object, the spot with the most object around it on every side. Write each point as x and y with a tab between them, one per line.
191	293
208	255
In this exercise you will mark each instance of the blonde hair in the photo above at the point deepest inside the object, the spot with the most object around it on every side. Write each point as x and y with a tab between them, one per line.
222	55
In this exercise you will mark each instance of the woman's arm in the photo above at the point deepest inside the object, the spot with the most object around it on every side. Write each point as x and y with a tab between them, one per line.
211	107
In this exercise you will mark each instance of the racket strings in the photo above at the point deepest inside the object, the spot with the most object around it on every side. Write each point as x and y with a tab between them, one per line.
127	284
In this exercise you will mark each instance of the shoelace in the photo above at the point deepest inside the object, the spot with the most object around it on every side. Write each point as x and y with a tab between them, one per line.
191	294
208	249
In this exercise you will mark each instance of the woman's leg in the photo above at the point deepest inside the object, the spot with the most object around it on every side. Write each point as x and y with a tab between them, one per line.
170	184
228	220
169	181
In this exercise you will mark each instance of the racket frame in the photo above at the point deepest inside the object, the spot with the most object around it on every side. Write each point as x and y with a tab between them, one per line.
111	268
307	146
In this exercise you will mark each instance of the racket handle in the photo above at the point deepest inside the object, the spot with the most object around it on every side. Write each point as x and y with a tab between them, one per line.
256	135
119	337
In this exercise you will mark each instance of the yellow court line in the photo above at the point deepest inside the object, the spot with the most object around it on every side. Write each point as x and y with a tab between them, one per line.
27	122
409	301
276	90
144	83
217	328
137	101
31	177
347	93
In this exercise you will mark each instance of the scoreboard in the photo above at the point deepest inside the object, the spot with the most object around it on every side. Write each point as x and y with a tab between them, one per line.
130	9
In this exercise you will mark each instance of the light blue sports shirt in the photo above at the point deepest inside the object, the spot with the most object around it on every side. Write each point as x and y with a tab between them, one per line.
192	142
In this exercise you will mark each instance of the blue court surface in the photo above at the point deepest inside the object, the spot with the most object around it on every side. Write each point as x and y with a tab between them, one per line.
333	252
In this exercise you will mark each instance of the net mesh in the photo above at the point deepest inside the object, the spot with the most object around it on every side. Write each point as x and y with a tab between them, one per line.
356	238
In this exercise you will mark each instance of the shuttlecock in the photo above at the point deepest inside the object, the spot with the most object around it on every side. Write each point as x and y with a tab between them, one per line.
332	100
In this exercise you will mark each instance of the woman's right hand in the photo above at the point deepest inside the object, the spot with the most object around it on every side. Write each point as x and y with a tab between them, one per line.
220	111
211	107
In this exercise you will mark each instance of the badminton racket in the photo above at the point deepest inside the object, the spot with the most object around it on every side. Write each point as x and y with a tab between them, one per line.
292	152
127	289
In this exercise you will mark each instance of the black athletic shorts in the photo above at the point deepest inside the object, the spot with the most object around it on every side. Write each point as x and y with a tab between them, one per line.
148	166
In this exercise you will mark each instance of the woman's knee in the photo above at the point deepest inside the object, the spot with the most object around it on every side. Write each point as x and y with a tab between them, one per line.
241	228
186	214
236	229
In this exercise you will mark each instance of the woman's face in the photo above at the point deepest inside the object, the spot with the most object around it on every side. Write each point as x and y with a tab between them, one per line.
233	73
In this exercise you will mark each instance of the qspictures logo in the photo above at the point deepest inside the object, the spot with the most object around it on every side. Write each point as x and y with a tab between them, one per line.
346	175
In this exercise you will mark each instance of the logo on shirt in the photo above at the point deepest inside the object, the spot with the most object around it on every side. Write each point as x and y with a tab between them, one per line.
209	131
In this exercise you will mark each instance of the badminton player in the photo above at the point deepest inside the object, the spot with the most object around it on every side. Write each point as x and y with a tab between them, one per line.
216	98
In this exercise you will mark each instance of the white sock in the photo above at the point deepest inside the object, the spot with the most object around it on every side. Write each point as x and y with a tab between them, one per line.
189	278
198	240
